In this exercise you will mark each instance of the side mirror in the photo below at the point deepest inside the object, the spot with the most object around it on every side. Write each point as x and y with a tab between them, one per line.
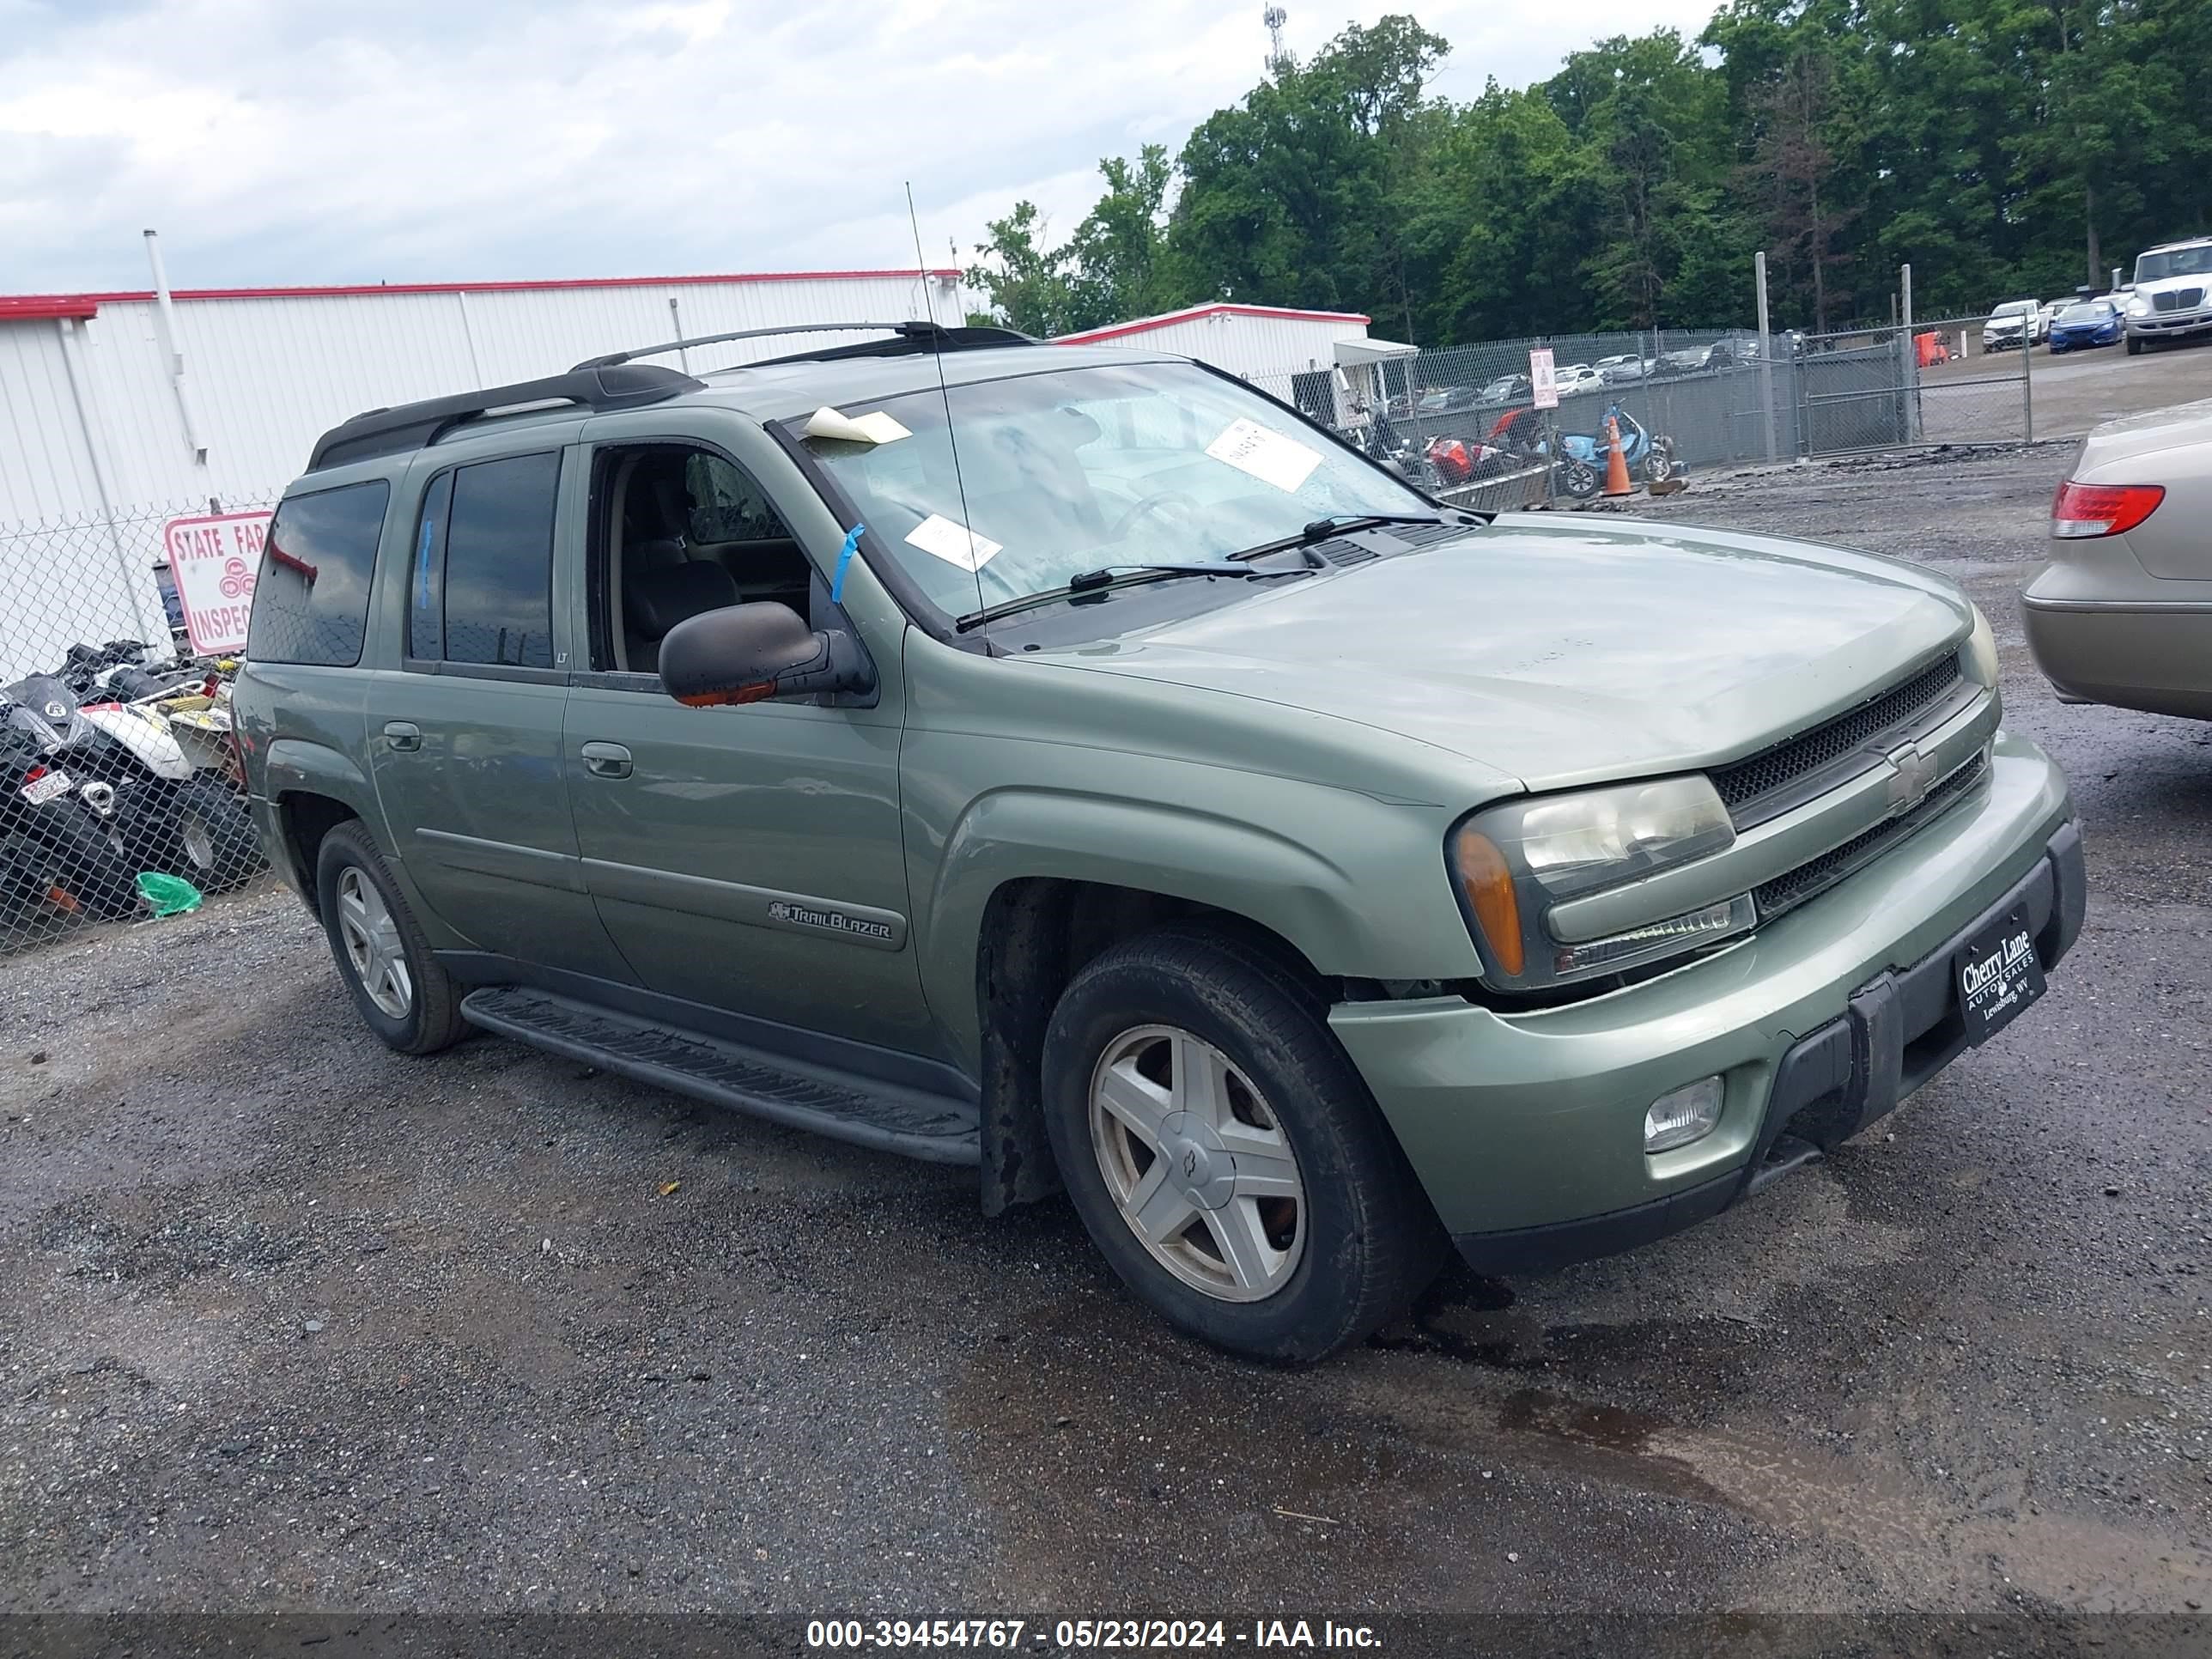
752	653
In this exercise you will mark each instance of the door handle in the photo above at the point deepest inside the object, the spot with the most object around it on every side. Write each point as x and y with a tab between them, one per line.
606	760
403	735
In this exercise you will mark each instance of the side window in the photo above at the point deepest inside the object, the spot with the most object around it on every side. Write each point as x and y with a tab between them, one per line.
311	602
498	576
677	530
426	603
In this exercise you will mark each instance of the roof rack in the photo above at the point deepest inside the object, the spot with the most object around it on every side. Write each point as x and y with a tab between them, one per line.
416	426
908	336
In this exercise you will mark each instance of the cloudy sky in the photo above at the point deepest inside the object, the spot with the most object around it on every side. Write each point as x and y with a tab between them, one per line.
278	142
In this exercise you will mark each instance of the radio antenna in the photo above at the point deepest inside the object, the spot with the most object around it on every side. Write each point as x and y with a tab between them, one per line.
945	393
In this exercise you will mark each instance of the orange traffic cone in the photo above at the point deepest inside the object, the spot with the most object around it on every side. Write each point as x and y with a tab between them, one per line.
1616	463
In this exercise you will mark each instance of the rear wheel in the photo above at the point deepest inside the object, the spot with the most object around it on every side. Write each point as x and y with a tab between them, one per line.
1224	1153
198	829
398	987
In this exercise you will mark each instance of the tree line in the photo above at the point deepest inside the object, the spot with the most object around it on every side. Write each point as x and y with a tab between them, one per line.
2004	148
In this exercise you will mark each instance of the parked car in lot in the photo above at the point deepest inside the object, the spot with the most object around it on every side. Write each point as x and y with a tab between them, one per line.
2016	322
2085	324
2172	299
2122	613
1149	797
1506	389
1624	371
1450	399
1576	377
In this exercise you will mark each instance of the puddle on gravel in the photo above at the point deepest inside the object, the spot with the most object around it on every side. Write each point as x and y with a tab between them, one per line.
1095	1434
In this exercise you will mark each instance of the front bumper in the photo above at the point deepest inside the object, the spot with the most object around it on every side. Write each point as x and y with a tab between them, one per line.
2169	325
1526	1129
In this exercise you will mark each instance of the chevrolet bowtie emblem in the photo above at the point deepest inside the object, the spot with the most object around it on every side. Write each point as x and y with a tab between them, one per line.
1916	772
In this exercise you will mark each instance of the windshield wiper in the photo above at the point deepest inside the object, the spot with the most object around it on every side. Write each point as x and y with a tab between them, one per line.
1106	578
1320	530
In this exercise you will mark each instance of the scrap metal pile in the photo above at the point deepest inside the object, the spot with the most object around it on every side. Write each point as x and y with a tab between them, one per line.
121	793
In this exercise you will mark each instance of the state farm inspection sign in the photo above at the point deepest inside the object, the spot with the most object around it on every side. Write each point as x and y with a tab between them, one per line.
213	560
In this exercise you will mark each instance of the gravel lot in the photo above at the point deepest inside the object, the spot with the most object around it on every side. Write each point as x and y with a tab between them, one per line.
289	1322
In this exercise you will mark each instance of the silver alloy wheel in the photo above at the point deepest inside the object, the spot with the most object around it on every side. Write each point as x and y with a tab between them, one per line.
372	943
1197	1163
198	842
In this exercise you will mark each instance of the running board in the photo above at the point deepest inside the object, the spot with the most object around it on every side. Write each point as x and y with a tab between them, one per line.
887	1116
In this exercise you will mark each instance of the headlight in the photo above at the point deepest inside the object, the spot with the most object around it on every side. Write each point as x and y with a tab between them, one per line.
1982	652
1513	862
2139	305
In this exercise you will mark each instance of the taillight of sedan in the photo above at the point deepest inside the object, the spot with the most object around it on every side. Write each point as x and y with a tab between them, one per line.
2082	510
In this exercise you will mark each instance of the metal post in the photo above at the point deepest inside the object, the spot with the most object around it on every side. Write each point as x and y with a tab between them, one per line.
676	322
133	590
469	339
173	347
2027	382
1909	365
1765	356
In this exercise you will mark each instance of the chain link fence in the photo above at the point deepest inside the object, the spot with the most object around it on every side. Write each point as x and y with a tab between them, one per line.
120	794
1462	422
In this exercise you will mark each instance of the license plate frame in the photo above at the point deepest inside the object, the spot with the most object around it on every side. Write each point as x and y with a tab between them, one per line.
1997	975
51	787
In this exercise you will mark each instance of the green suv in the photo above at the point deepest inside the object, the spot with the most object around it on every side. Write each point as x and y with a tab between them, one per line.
1073	763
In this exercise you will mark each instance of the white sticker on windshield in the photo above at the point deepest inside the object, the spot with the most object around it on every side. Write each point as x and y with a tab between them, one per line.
952	542
873	428
1267	455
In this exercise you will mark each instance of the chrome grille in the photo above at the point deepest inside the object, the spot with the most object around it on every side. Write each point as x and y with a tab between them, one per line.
1770	781
2178	299
1793	888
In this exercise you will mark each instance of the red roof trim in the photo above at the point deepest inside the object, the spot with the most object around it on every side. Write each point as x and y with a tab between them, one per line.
354	290
1224	308
48	308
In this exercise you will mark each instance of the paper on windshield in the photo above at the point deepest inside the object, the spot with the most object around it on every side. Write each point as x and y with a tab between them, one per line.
1267	455
955	543
874	427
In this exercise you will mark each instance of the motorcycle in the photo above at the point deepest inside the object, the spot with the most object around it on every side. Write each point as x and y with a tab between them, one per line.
1583	455
1455	461
96	794
61	839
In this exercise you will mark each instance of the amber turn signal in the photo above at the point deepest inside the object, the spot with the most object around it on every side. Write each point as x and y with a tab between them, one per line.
1487	882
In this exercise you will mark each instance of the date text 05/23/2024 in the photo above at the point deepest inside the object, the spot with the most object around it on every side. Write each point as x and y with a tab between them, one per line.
1089	1635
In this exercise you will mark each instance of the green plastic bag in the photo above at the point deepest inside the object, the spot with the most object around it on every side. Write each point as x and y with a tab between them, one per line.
170	895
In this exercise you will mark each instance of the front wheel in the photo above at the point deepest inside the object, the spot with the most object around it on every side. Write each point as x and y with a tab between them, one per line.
1224	1153
1579	479
2135	345
401	992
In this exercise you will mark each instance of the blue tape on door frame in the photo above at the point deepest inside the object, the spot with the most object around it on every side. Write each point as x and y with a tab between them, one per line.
844	557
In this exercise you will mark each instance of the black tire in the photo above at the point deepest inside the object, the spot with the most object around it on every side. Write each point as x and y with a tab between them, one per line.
2135	345
199	829
83	855
1579	479
1370	1241
433	1019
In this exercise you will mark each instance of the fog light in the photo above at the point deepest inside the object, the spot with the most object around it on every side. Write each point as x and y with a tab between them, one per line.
1682	1116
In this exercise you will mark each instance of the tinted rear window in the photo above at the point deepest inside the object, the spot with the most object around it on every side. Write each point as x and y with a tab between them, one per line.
499	562
311	602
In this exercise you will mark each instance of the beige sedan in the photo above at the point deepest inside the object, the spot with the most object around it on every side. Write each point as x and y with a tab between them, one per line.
2122	613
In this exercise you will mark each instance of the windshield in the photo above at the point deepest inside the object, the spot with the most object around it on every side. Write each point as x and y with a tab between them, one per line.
1069	470
2013	308
2175	262
2089	311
